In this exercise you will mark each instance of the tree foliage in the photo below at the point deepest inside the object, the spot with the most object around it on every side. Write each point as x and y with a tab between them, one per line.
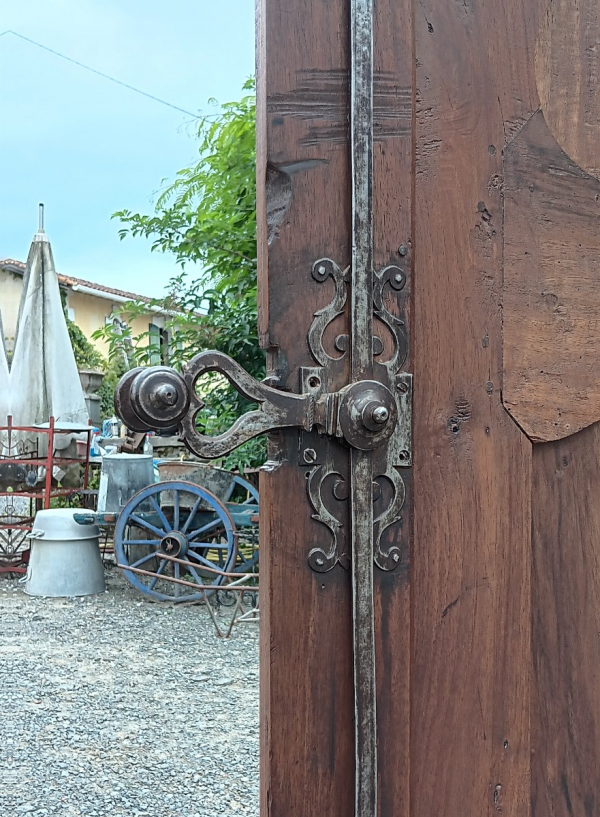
206	218
86	355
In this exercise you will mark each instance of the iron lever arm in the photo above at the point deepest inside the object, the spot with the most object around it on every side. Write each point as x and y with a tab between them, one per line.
365	414
159	397
277	409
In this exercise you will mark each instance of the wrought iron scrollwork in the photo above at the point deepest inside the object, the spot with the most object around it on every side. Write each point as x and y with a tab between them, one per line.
319	559
396	279
389	559
399	453
277	409
323	269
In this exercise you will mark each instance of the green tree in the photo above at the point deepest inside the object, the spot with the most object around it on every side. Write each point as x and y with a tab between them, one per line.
86	355
206	218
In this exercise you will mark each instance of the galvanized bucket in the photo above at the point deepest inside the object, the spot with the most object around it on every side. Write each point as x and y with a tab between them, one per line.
65	557
122	476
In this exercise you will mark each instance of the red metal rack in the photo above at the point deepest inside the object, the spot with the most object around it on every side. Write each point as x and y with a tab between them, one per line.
15	522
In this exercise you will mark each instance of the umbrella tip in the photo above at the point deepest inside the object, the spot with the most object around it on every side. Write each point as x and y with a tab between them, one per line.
41	217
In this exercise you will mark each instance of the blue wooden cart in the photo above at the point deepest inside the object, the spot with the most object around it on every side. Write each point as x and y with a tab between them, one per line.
177	538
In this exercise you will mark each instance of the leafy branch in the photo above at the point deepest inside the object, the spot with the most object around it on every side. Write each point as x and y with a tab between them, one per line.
206	218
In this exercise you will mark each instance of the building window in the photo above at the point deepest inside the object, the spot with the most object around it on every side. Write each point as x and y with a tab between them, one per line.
158	343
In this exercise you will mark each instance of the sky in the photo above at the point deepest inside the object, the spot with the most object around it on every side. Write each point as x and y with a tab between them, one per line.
85	146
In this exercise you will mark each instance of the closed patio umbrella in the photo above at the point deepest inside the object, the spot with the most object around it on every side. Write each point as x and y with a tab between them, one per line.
44	381
4	386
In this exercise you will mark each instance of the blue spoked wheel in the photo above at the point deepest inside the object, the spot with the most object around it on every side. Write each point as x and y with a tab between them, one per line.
180	520
242	504
247	487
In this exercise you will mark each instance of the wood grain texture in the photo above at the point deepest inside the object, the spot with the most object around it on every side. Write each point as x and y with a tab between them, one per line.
471	557
551	287
469	690
567	72
307	749
392	217
566	623
307	735
307	744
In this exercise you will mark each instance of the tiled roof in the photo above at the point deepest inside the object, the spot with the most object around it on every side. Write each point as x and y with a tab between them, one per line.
68	280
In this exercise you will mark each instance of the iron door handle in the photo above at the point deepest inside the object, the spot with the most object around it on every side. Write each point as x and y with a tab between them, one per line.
364	414
159	397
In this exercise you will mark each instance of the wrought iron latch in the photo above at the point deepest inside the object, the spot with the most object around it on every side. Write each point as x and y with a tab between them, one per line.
365	414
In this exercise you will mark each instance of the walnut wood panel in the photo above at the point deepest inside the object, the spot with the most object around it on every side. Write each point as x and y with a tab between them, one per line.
454	625
551	293
307	749
392	199
565	714
307	736
567	71
471	557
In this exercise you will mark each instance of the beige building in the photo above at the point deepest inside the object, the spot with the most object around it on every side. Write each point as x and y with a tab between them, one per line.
90	306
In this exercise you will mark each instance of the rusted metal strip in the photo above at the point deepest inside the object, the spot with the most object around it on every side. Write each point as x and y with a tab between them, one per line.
201	588
361	350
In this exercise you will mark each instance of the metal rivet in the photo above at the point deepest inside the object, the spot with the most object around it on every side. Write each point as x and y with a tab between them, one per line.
322	270
396	557
402	249
320	561
380	415
398	278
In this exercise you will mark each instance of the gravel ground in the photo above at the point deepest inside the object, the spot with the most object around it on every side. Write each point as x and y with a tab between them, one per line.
113	706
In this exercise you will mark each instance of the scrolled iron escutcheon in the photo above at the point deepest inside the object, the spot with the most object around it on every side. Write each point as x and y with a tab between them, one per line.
158	397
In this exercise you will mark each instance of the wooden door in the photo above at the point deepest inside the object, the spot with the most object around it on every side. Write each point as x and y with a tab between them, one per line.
486	129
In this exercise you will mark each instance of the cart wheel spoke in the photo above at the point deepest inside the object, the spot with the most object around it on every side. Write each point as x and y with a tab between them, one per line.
210	546
159	570
145	559
166	526
202	560
143	523
177	587
175	510
192	514
214	523
194	573
155	542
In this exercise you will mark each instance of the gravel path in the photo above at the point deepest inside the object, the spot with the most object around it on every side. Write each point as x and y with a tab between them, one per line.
113	706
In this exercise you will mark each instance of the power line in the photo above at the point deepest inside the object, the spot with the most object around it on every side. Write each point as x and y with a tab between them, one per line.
101	74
